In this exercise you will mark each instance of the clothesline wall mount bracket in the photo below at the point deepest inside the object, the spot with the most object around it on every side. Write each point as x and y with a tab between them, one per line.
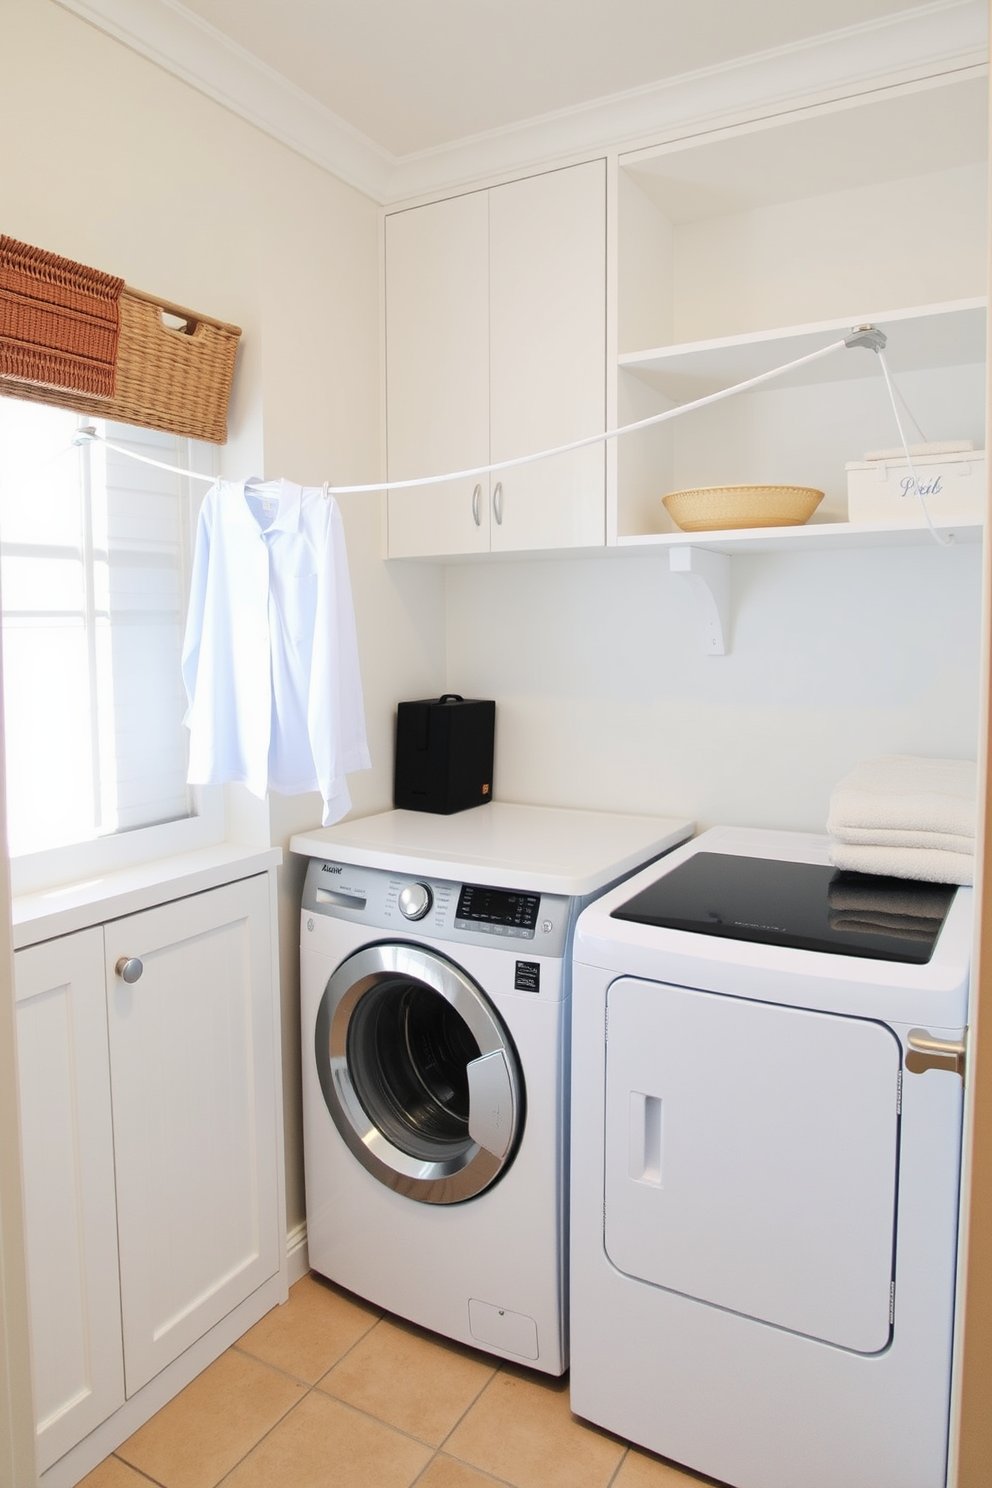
708	575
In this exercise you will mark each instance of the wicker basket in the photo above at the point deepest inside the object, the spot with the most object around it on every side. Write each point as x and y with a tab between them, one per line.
723	508
175	379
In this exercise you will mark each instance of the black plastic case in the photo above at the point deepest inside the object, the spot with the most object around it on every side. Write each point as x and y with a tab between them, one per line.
444	754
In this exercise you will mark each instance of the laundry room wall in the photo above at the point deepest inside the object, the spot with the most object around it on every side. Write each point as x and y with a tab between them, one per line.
107	159
605	699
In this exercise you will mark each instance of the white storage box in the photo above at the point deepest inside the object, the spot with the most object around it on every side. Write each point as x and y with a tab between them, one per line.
952	485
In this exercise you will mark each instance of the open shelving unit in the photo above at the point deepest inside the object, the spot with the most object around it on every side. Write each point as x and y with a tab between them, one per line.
743	250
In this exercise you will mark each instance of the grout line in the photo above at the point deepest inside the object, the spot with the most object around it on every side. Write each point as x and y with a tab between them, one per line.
623	1459
146	1477
265	1435
486	1476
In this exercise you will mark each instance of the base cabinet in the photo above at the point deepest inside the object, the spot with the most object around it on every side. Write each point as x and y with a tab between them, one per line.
151	1138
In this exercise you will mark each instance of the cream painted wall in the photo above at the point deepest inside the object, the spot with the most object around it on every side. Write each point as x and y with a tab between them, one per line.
107	159
913	241
604	698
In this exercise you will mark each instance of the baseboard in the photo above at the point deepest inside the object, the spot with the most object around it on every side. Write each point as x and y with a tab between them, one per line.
297	1255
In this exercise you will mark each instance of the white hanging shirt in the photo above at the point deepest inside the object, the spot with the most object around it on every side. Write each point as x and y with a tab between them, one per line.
270	657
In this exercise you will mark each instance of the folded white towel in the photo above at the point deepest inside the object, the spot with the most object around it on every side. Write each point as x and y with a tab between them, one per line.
899	792
929	864
882	837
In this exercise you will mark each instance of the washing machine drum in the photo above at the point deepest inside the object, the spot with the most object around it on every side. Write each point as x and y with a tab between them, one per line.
418	1073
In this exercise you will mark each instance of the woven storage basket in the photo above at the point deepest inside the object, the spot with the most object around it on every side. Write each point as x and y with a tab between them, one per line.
178	380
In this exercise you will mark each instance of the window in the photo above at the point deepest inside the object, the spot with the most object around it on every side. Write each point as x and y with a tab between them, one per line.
95	550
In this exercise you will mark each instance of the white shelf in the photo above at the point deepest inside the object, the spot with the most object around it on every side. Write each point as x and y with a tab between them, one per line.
927	336
814	537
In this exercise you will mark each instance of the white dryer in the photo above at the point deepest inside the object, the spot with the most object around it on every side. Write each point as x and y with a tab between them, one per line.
766	1128
435	994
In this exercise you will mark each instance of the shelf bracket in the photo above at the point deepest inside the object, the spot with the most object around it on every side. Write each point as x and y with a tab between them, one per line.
708	574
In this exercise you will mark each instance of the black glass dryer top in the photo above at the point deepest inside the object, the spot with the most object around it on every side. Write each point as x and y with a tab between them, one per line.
805	905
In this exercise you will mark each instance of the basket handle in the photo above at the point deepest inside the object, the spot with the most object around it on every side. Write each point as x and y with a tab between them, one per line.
192	318
179	325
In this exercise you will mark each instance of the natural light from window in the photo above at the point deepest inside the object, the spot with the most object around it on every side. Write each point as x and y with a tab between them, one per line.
94	551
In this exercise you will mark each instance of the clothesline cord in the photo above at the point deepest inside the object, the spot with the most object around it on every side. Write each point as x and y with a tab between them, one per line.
590	439
88	433
865	336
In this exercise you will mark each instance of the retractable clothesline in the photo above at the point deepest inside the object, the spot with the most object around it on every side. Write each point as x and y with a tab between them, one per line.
863	336
866	336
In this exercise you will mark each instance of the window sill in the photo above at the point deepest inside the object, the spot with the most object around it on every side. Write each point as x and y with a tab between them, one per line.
75	906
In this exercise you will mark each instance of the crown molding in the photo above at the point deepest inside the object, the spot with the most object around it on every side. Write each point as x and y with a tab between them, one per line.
181	43
914	46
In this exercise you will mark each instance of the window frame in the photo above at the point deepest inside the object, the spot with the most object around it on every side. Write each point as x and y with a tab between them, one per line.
81	862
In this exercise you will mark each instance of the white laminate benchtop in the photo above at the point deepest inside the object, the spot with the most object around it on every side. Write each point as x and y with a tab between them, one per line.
69	907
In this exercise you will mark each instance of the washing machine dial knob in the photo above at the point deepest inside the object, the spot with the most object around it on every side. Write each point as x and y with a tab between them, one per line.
415	900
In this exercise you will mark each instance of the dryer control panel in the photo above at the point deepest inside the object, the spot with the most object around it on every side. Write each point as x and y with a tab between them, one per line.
470	913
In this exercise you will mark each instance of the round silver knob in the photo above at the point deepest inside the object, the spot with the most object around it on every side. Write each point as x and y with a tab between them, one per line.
415	900
129	968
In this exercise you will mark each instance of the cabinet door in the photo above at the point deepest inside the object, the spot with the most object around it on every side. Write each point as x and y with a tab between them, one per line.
195	1128
547	247
437	374
70	1211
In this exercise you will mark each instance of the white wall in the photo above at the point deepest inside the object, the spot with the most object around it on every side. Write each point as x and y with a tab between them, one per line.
108	160
604	698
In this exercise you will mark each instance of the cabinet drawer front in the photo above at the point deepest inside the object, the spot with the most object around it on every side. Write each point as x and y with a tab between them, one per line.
195	1123
70	1209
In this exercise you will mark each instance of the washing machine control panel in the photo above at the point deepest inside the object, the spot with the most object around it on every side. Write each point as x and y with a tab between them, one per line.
480	913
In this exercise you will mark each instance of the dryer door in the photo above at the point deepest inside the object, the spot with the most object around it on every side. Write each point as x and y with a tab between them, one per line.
418	1073
752	1155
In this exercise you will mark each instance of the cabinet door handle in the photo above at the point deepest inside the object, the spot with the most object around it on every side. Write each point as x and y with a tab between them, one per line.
476	513
498	503
129	968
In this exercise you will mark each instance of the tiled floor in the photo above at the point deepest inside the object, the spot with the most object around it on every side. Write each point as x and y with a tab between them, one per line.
327	1392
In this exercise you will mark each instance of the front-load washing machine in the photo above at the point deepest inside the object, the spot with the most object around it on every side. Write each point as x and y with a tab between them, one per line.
766	1114
435	994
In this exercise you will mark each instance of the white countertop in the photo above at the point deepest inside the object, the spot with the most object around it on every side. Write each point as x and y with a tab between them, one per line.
69	907
545	848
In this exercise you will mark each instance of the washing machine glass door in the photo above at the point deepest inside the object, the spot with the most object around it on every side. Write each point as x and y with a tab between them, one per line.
418	1073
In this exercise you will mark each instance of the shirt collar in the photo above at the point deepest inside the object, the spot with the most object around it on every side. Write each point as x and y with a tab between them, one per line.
287	518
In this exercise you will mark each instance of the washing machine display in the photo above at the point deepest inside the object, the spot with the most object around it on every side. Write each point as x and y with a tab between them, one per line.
418	1072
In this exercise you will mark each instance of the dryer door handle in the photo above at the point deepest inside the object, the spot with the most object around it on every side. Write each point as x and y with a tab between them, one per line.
491	1114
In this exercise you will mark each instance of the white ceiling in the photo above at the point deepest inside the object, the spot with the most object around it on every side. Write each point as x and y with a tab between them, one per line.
407	98
412	75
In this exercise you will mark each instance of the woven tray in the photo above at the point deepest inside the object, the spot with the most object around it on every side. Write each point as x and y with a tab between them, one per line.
724	508
174	379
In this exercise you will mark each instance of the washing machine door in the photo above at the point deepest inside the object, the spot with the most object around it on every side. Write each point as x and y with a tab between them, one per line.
418	1073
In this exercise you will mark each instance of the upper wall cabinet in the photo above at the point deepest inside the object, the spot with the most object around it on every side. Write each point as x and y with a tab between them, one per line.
741	249
496	348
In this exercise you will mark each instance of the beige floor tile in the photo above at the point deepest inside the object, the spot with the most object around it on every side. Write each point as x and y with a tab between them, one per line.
201	1434
403	1376
446	1472
323	1444
112	1473
521	1429
641	1470
311	1331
